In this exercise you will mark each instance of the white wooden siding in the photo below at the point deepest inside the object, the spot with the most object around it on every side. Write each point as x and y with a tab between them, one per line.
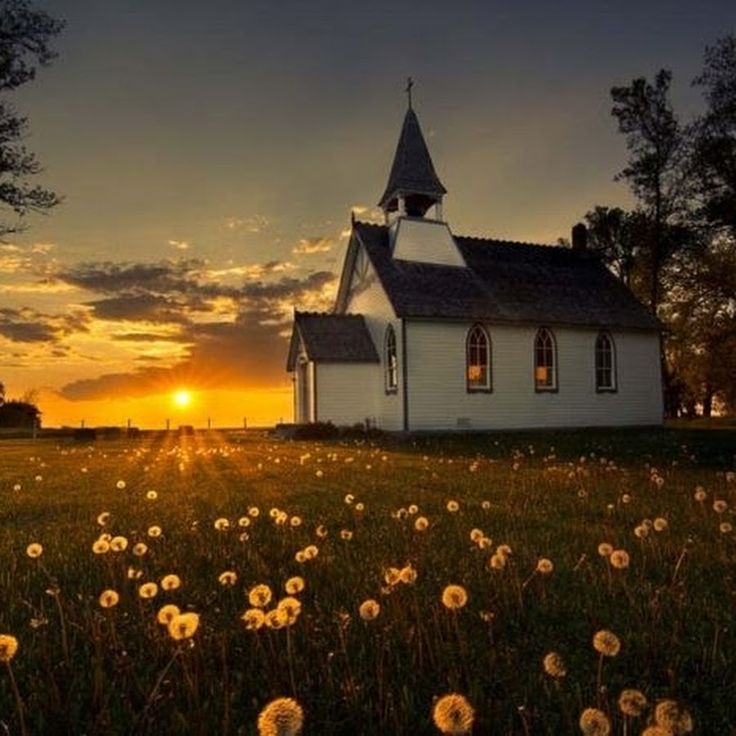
438	399
341	395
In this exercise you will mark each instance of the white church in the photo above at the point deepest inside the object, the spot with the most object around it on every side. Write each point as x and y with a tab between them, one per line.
436	331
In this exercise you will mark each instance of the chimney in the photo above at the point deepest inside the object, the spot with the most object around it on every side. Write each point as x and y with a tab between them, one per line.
579	237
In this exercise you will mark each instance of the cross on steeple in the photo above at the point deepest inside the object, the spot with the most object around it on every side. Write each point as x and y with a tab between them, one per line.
409	85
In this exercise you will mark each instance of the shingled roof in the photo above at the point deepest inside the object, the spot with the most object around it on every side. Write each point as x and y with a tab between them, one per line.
331	338
505	282
412	170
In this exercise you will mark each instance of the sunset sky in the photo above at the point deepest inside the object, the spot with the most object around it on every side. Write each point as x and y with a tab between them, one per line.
210	154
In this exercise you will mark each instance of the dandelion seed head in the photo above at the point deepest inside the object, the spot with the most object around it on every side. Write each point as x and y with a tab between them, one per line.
453	714
294	585
421	523
170	582
120	485
103	518
154	531
545	566
281	717
118	544
253	619
222	524
454	597
109	598
166	614
619	559
594	722
453	507
554	665
260	595
183	626
408	575
100	546
8	647
276	618
228	578
606	643
34	550
605	549
140	549
311	551
670	715
632	702
660	524
369	609
148	590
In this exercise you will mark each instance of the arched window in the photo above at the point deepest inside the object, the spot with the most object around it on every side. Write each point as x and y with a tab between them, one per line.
478	360
545	361
390	362
605	363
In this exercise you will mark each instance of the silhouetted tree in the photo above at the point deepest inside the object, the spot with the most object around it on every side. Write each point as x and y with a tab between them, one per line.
25	34
19	415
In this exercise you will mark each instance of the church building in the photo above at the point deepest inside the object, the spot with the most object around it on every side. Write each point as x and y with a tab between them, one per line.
435	331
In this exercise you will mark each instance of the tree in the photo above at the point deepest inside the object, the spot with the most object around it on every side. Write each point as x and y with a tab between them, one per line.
655	170
614	235
25	34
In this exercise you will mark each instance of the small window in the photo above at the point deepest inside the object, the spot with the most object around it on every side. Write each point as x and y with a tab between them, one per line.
390	362
605	363
478	360
545	363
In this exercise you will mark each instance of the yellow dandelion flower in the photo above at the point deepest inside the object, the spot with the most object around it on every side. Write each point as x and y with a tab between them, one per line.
276	619
619	559
103	518
408	575
228	578
166	614
554	665
109	598
594	722
454	597
369	609
8	647
260	596
453	714
392	576
294	585
605	549
281	717
545	566
154	531
453	506
100	546
632	702
34	550
222	524
670	715
118	544
421	523
253	619
183	626
606	643
139	549
170	582
148	590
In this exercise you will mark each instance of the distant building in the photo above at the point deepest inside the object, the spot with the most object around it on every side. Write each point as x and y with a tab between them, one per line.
435	331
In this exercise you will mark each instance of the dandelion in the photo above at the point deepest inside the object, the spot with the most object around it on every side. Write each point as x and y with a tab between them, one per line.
454	597
260	596
725	527
700	494
228	578
321	531
619	559
669	715
109	598
281	717
453	506
656	731
660	524
294	585
497	562
170	582
485	505
148	590
276	619
8	647
118	544
140	549
103	518
554	665
453	714
641	531
632	702
100	546
606	643
719	506
594	722
151	495
544	566
408	575
154	531
253	619
291	607
120	485
346	534
166	614
221	524
183	626
413	509
243	521
295	521
504	550
311	551
300	556
421	523
392	576
369	609
254	512
349	498
476	535
34	550
626	498
605	549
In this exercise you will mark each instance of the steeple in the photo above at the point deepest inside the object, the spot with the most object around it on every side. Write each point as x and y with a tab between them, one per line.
413	185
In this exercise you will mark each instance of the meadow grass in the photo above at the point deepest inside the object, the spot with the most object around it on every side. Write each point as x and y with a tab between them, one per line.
81	668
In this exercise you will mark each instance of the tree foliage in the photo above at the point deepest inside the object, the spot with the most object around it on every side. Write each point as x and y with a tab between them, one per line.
25	36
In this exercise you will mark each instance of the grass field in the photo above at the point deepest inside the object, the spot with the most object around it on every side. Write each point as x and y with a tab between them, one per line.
252	506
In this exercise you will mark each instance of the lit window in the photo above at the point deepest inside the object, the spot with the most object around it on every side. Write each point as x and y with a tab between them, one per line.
545	368
605	363
478	360
390	362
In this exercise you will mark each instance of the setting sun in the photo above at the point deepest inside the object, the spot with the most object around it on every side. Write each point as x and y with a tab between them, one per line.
182	398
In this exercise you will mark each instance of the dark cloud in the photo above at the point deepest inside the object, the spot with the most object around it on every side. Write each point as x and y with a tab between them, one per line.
28	325
137	307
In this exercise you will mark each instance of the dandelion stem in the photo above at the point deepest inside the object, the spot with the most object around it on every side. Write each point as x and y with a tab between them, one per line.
154	692
18	701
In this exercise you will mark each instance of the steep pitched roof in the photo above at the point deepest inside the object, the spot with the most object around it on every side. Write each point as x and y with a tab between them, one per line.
412	170
505	282
331	338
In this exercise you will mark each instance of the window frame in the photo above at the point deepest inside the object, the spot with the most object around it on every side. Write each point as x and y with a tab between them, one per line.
486	388
554	387
390	368
613	387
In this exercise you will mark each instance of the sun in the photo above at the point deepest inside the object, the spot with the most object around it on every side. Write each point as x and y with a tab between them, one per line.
182	397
